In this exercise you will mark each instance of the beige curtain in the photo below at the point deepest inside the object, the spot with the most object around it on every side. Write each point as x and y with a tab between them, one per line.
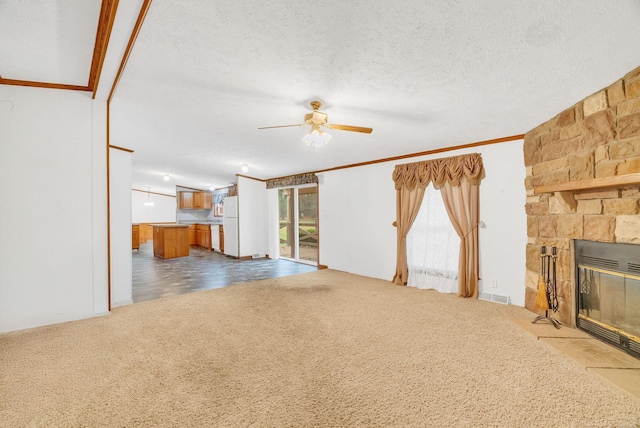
462	203
461	175
407	206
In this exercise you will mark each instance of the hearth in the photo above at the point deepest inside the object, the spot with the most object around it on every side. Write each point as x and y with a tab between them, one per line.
608	292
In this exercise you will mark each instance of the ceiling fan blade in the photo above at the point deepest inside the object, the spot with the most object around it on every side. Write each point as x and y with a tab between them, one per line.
282	126
350	128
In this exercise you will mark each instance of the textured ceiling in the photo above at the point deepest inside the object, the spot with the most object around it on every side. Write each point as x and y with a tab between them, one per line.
203	76
48	41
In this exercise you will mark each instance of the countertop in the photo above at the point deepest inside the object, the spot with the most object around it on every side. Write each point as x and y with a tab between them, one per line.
169	225
187	223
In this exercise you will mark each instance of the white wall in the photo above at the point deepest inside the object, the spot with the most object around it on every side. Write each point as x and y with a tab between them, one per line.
120	210
357	209
252	217
504	241
53	211
100	209
162	211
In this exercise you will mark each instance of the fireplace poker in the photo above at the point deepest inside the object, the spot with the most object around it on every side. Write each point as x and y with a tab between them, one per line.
549	287
554	303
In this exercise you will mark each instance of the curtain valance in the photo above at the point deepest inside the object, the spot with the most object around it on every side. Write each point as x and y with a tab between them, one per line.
439	171
292	180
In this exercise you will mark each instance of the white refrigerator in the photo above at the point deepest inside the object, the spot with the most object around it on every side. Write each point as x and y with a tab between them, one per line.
230	222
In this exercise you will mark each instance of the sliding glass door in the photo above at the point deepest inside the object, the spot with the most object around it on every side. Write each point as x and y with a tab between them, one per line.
287	223
298	212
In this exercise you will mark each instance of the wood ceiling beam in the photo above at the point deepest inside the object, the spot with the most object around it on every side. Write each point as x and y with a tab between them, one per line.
33	84
103	34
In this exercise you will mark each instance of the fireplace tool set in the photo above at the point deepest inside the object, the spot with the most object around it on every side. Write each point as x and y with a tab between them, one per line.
547	298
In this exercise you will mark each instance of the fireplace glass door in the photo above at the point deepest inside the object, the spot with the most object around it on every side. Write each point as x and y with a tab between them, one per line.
610	298
608	292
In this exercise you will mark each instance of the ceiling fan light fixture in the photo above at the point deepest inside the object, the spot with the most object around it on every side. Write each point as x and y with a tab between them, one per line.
316	138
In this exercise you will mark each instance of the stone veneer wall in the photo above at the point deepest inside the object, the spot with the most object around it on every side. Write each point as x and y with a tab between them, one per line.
597	137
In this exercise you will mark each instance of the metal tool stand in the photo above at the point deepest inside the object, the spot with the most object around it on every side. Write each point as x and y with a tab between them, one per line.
549	262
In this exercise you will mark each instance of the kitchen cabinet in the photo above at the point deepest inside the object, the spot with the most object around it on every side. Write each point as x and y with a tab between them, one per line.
221	238
192	234
170	240
207	238
135	237
196	201
146	232
198	237
202	200
186	200
203	235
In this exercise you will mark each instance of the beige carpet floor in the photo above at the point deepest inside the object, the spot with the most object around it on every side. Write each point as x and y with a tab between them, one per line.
325	349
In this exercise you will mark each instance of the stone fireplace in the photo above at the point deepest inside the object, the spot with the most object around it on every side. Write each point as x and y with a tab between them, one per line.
583	183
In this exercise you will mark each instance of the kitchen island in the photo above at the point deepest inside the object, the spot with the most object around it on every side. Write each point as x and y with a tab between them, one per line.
170	240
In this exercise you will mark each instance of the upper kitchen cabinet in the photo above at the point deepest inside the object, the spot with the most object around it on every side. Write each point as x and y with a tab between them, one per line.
186	200
202	201
195	201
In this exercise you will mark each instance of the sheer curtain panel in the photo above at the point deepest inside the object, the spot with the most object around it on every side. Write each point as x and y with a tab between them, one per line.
433	247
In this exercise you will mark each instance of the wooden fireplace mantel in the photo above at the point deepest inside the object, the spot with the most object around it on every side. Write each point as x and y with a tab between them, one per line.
594	183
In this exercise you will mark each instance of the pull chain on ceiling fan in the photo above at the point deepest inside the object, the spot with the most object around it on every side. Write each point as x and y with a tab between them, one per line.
317	137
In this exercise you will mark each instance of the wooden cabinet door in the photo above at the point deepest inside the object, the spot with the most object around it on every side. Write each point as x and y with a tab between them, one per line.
207	237
186	200
192	234
207	203
198	200
146	232
221	239
135	237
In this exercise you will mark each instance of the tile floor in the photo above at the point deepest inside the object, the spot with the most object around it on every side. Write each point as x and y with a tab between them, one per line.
154	277
613	365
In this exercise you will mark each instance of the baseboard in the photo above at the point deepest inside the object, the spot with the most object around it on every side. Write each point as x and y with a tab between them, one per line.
323	266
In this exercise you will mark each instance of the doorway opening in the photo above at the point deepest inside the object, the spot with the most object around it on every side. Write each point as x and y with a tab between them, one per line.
298	223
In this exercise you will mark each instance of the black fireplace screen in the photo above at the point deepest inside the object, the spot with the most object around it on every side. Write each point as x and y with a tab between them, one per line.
608	292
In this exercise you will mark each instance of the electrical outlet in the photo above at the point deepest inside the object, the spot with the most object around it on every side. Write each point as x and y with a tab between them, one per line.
494	283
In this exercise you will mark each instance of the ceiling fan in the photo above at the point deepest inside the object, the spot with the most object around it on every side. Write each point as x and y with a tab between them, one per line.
317	119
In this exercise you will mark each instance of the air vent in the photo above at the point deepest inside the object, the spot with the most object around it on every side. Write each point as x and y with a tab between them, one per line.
494	298
598	330
598	262
634	268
